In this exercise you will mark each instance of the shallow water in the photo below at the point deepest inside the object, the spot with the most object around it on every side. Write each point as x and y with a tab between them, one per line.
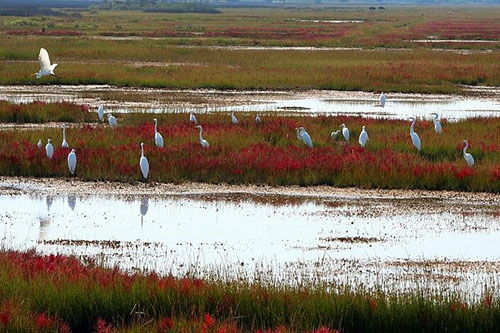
358	241
123	100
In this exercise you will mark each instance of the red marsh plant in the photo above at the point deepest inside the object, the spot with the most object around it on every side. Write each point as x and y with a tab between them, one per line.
269	153
55	293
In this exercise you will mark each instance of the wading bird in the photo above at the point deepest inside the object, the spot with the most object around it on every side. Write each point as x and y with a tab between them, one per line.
363	137
381	100
39	144
112	120
143	163
304	136
158	137
64	143
72	161
204	143
334	135
415	139
345	132
192	118
100	112
45	67
437	123
468	157
258	120
49	149
234	120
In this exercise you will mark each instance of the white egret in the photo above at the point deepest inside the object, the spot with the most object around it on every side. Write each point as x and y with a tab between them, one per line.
45	67
192	118
382	99
234	120
363	137
304	136
437	123
258	120
415	139
204	143
49	149
158	137
468	157
334	135
64	143
345	132
39	144
143	163
72	161
100	112
112	120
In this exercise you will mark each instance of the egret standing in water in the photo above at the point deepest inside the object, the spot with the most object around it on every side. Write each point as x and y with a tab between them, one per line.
64	143
345	132
415	139
204	143
45	67
72	162
304	136
143	163
39	144
112	121
100	112
234	120
437	123
363	137
49	149
158	137
381	100
468	157
192	118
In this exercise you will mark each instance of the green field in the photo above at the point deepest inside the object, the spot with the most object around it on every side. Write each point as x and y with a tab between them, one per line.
132	48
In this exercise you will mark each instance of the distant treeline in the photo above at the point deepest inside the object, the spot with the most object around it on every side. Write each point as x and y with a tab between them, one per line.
158	6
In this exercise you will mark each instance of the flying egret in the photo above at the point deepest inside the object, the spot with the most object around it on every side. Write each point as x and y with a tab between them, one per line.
437	123
64	143
45	67
468	157
234	120
345	132
334	135
39	144
192	118
304	136
158	137
363	137
382	99
49	149
258	120
204	143
72	161
112	121
100	112
143	163
415	139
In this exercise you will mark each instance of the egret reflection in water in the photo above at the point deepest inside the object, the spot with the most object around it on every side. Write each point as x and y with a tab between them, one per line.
72	201
144	208
49	201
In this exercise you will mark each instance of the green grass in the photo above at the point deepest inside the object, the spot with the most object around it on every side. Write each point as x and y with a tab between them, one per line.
68	293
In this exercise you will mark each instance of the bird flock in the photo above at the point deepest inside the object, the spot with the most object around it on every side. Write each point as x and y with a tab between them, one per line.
46	68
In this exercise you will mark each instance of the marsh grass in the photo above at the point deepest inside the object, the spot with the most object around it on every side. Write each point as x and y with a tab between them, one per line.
269	153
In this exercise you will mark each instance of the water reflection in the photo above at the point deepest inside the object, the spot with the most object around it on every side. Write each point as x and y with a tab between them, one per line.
144	209
71	201
48	201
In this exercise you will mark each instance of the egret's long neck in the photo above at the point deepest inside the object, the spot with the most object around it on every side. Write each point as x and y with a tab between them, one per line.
465	148
201	134
64	133
142	151
156	126
412	127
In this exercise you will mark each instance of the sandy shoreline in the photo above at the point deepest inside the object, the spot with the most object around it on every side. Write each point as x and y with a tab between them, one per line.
60	186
